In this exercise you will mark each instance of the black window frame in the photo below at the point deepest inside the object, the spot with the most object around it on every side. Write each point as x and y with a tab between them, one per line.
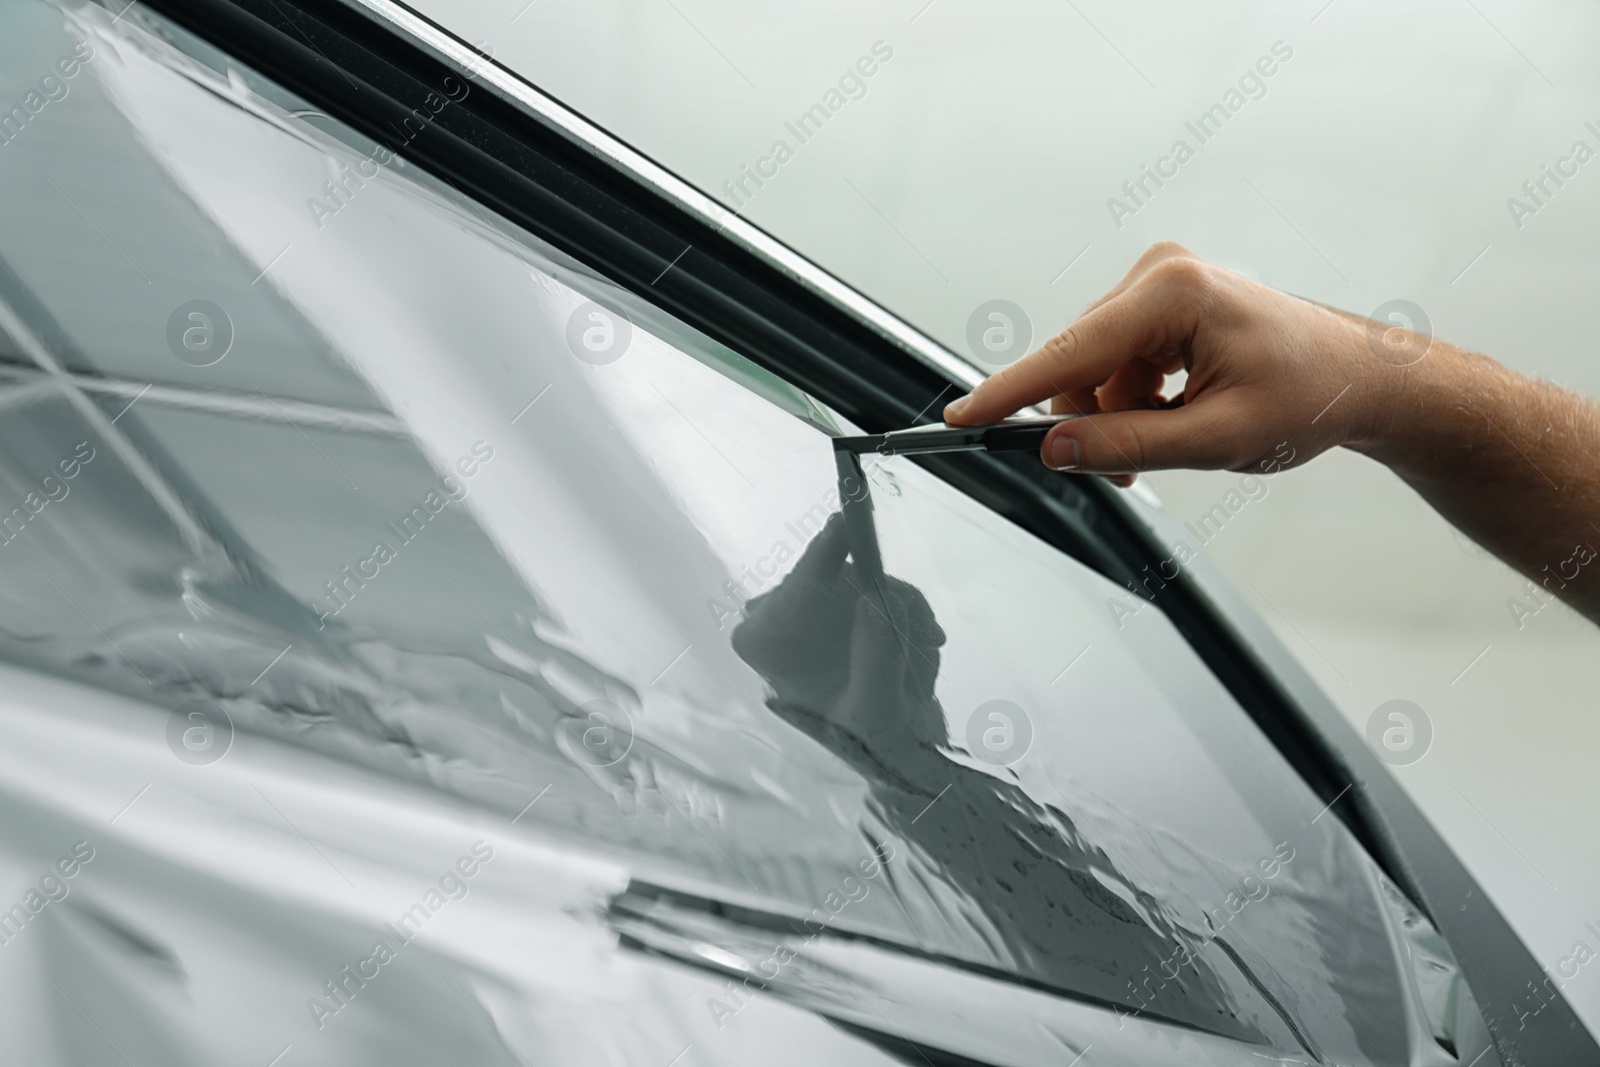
362	70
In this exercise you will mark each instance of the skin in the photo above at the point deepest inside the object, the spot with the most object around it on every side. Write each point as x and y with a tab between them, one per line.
1510	460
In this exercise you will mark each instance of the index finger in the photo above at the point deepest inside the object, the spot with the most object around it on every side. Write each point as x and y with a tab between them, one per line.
1149	318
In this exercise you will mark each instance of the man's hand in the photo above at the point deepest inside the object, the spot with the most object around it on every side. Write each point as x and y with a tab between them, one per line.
1264	367
1274	380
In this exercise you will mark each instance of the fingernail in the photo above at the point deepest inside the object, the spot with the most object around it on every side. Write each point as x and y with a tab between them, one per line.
1064	454
954	409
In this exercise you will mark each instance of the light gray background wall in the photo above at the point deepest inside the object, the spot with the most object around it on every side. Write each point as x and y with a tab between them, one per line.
1376	166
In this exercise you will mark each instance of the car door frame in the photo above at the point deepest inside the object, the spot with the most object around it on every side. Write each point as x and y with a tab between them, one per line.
377	66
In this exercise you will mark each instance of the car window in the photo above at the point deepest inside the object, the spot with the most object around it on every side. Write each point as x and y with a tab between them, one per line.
300	440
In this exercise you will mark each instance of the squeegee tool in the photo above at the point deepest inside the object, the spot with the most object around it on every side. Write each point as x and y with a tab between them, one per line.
1011	435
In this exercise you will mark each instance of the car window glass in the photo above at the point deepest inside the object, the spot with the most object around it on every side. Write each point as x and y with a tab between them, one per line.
299	437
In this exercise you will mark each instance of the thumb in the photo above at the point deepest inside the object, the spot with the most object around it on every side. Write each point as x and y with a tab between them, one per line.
1207	435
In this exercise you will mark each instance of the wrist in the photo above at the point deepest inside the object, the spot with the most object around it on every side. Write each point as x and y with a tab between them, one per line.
1412	414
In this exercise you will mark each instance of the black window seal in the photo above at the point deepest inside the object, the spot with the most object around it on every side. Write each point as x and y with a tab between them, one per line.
357	68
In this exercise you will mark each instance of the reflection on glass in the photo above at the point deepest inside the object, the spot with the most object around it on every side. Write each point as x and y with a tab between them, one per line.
426	514
852	659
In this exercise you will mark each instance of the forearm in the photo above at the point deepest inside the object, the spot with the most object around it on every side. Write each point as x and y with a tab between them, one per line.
1515	463
1512	462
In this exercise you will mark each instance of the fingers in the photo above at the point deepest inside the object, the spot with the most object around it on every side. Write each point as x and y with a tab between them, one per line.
1157	253
1136	384
1208	435
1152	318
1084	401
1075	402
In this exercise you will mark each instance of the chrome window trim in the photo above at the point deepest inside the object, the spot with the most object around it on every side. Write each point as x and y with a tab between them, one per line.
281	39
484	69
